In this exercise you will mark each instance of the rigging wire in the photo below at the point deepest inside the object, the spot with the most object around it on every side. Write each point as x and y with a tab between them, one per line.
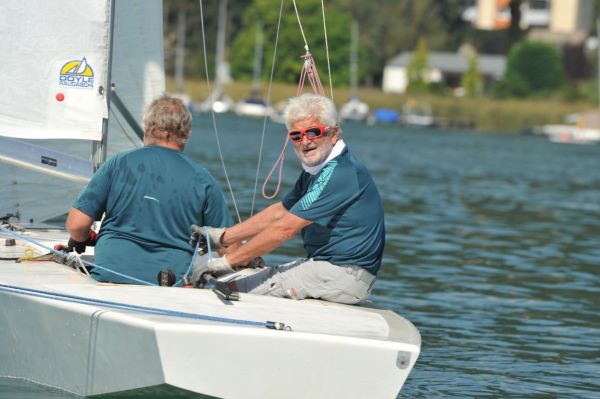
135	142
309	69
300	24
307	48
262	137
327	49
214	120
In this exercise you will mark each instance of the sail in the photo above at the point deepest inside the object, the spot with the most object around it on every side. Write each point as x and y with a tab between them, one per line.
137	64
54	68
35	32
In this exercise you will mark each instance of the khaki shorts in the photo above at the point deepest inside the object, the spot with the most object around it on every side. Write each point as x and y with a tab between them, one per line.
309	278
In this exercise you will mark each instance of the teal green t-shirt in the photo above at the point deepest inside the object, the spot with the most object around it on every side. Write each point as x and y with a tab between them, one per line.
344	205
150	197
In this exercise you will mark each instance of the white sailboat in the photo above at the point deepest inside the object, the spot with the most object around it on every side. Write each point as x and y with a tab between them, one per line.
218	101
255	106
354	109
60	328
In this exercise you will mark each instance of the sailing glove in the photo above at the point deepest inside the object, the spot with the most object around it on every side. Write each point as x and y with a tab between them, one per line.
79	246
213	237
216	267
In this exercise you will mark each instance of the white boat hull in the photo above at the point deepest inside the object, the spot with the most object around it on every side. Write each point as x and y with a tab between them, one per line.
253	110
571	134
332	350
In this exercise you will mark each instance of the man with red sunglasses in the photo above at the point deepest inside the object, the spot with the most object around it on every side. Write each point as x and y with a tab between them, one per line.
334	204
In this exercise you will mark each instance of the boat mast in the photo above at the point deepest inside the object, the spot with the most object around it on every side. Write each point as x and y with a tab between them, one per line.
598	66
179	51
220	60
354	60
258	54
99	147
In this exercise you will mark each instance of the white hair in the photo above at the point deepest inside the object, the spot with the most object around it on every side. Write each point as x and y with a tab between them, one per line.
310	105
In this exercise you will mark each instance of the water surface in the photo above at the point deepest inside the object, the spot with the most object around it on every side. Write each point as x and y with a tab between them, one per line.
492	250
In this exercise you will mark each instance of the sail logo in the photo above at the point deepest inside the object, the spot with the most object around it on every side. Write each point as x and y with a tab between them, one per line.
77	74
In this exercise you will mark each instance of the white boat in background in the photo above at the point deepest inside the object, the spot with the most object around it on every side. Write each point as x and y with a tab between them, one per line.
416	113
571	134
218	101
354	110
255	106
60	328
583	129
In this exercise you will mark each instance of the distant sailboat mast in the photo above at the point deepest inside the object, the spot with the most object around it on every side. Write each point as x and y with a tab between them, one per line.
220	60
354	61
179	51
354	109
258	55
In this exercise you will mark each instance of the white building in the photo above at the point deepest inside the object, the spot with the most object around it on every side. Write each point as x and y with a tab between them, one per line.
443	67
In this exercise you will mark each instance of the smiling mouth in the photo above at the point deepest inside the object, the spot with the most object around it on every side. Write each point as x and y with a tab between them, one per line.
308	150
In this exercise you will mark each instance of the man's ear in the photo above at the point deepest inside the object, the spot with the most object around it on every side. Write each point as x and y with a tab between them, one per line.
336	135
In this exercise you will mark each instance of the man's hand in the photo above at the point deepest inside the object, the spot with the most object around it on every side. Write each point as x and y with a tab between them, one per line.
79	246
216	267
200	234
256	263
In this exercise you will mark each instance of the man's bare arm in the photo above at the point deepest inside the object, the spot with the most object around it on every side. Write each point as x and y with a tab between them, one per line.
255	225
79	224
282	230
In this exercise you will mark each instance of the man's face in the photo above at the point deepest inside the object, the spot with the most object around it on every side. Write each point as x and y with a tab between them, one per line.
314	152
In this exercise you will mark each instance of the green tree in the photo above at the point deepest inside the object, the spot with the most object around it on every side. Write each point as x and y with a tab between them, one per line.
533	68
290	46
417	68
471	80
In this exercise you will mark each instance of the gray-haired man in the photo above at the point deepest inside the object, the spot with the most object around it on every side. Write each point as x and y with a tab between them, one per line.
334	203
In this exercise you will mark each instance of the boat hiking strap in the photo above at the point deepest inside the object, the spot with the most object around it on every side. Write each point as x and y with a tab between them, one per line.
136	308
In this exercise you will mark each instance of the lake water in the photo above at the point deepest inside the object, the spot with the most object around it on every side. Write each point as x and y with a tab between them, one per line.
493	250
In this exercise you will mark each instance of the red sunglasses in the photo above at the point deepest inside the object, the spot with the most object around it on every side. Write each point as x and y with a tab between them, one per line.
312	133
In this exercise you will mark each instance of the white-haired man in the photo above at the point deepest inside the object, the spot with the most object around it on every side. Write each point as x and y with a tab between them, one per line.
334	204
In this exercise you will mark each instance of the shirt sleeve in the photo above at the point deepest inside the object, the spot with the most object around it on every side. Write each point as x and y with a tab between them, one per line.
333	190
92	199
294	195
216	212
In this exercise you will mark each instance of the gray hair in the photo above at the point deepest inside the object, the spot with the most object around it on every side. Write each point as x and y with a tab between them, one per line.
310	105
168	119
